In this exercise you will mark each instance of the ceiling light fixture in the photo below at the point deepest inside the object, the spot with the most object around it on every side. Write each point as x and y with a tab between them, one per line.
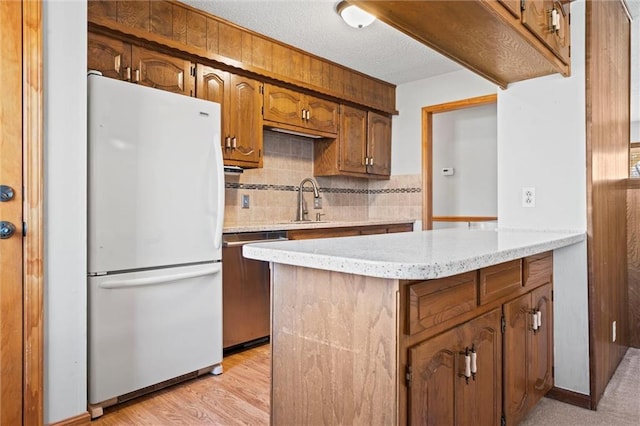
353	15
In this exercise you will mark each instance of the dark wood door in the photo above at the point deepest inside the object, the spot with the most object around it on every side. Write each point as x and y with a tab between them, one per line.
245	120
110	56
323	115
379	144
353	139
541	356
517	344
161	71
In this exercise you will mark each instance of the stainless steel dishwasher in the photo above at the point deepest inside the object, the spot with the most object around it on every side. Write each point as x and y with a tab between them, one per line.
245	291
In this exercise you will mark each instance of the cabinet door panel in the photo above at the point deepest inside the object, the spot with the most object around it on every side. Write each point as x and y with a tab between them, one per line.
282	105
213	85
517	343
379	144
245	123
432	392
323	115
536	16
541	360
478	402
512	6
109	56
161	71
353	140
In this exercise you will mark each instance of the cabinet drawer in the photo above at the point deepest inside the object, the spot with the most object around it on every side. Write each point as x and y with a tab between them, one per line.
537	270
436	301
499	280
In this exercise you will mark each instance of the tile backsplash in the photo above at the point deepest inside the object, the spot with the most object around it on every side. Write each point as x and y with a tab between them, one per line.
288	159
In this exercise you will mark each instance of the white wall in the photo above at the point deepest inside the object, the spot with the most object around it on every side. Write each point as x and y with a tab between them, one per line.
465	140
542	144
65	56
406	155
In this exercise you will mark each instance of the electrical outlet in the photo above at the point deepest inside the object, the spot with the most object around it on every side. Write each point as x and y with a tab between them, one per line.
317	203
528	197
245	201
613	332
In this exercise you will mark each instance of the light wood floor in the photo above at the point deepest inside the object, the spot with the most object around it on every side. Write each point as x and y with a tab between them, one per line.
239	396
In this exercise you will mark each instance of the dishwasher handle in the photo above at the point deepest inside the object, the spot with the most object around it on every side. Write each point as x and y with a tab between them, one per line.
241	243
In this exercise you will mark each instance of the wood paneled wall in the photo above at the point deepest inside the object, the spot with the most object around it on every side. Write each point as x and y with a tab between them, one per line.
181	27
607	99
633	258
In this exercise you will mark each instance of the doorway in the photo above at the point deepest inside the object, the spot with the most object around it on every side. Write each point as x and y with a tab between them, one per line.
455	164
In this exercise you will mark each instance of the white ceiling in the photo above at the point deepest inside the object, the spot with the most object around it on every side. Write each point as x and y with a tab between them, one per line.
314	26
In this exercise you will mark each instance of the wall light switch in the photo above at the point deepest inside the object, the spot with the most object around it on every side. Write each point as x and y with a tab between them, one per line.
245	201
448	171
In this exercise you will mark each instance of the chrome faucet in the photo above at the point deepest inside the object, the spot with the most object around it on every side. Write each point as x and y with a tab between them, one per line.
302	212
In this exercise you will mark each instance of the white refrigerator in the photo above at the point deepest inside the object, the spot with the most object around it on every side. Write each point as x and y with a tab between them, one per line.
155	213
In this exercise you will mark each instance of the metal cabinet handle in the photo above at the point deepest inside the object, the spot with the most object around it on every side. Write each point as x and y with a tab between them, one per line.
234	143
227	142
137	75
304	114
308	115
371	161
127	73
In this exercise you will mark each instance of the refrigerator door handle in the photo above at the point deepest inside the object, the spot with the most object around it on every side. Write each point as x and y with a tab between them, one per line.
140	282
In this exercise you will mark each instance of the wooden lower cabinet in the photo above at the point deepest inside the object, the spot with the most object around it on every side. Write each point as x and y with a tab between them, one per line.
511	334
439	393
528	344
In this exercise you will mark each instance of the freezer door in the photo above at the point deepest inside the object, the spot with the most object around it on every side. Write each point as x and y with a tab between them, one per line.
156	182
148	327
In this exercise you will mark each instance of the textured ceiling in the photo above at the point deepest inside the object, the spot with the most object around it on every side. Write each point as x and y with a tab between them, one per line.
314	26
377	50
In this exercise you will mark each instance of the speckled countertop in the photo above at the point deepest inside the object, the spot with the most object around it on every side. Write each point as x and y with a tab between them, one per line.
289	225
413	255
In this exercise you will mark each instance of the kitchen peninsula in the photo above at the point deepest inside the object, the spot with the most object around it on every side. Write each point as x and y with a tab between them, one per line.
410	327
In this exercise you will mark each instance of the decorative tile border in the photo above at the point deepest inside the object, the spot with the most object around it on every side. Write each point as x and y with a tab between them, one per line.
293	188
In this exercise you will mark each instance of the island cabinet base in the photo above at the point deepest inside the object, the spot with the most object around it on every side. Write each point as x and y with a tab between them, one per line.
334	351
474	348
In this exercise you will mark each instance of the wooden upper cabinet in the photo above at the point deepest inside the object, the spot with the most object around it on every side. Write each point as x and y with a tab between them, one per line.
283	105
379	144
241	109
322	115
484	36
353	140
245	120
112	57
549	21
362	148
162	71
439	393
123	61
285	108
